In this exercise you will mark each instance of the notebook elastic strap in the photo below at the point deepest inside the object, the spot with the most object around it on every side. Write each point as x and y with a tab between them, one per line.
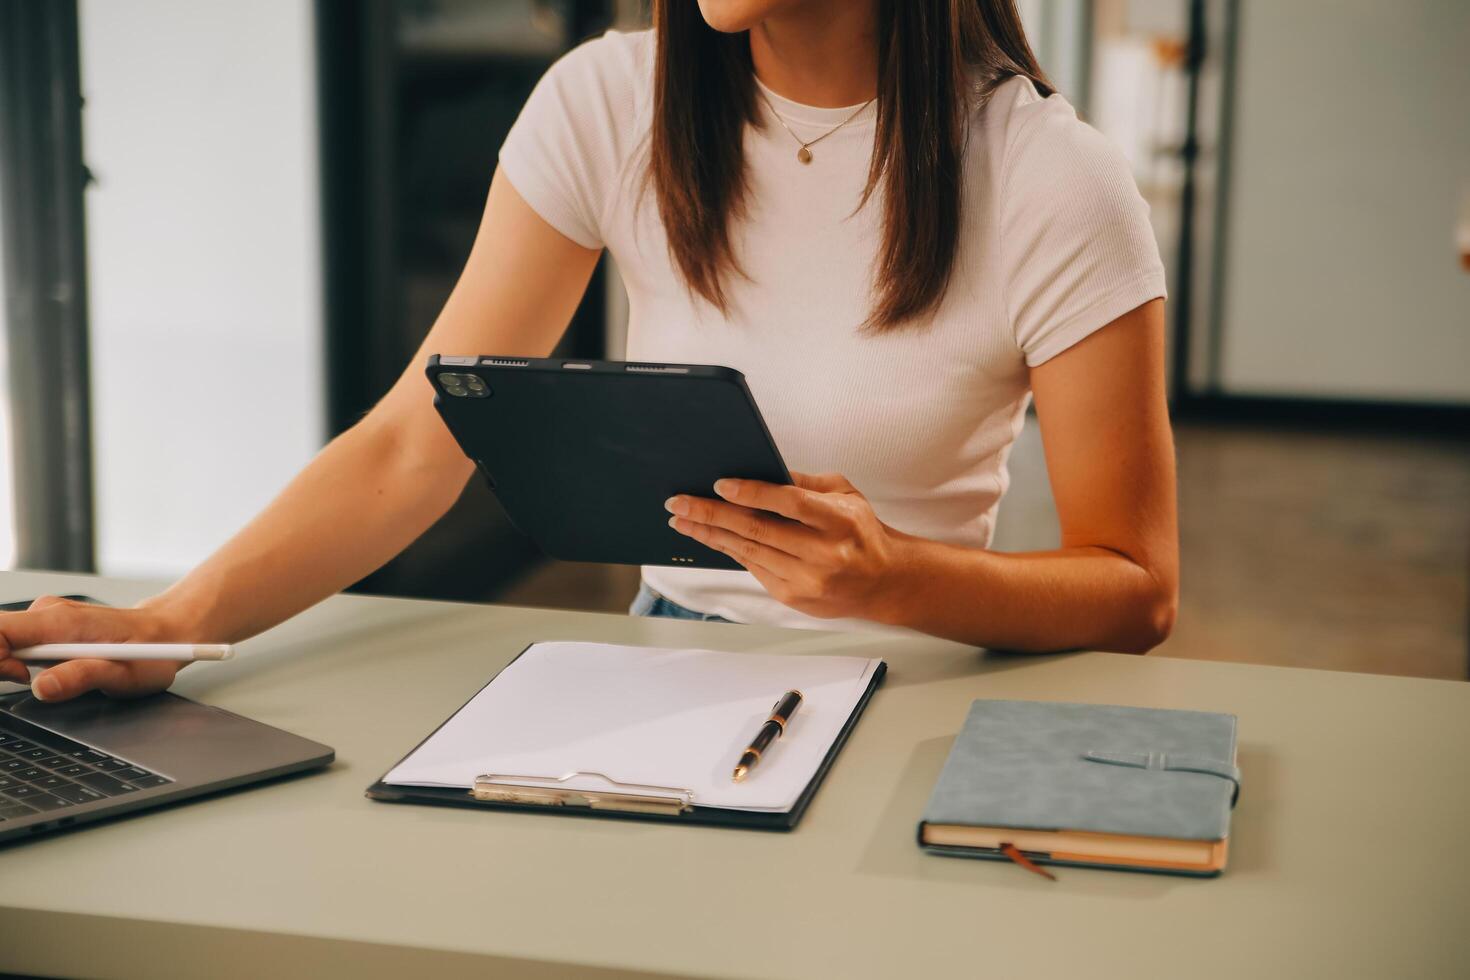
1171	763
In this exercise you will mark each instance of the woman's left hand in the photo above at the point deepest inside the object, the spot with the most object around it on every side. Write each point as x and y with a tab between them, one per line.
816	546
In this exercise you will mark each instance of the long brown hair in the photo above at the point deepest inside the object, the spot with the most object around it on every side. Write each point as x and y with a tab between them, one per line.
930	53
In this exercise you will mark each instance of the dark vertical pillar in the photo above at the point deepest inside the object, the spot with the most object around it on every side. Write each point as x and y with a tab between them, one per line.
1224	160
1183	287
41	198
587	333
357	109
339	56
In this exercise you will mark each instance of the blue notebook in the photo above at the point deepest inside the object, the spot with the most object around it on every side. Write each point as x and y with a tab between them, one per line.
1141	789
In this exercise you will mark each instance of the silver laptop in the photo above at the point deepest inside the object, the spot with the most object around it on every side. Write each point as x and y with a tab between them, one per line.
95	757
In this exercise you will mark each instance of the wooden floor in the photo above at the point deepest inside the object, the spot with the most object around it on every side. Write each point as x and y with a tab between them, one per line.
1336	550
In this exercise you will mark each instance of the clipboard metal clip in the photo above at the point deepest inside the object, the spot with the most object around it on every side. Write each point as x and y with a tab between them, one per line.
552	791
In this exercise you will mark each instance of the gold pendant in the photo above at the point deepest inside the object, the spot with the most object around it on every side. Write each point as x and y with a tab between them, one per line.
804	155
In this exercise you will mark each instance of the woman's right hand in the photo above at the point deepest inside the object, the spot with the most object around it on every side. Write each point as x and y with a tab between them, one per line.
51	619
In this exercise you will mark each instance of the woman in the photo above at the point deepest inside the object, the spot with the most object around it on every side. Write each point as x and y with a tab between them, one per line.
881	214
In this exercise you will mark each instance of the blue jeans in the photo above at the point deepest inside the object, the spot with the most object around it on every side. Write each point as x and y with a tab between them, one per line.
650	603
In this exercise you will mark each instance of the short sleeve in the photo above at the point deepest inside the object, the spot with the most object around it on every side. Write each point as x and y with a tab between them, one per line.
566	151
1076	246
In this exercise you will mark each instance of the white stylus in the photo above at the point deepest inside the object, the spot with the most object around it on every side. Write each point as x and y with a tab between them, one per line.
125	651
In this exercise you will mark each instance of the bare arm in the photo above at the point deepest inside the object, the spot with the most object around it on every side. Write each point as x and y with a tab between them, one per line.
365	497
1113	583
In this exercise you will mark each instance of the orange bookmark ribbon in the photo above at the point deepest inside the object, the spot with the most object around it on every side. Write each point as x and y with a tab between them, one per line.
1014	853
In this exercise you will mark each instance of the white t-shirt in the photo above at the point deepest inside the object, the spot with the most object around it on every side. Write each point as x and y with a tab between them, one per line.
1054	243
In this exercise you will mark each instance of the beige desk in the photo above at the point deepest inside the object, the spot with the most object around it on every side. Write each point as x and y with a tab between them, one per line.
1350	856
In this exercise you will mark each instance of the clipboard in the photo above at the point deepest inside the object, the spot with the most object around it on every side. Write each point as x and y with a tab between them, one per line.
546	793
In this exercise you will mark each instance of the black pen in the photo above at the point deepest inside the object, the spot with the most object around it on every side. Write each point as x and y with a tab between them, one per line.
773	729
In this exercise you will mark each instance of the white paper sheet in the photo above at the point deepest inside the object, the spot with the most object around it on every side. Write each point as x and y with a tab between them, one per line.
642	715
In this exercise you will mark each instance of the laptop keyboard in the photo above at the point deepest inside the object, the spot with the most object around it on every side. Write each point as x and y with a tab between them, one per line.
41	771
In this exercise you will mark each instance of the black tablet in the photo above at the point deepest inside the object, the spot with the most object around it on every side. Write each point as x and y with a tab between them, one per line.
582	454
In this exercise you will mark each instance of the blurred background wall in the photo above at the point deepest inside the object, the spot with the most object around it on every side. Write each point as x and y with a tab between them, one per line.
1351	145
279	195
204	268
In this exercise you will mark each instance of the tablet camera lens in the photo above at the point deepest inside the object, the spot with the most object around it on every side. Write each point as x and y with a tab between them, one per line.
453	383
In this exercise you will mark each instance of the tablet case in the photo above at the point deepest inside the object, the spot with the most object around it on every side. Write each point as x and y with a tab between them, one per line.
713	816
582	454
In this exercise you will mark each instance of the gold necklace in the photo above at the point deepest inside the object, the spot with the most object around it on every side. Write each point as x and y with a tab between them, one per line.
804	153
